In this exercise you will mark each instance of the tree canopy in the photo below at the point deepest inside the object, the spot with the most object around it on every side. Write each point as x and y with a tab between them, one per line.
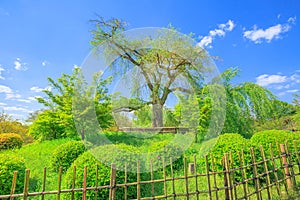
168	62
58	120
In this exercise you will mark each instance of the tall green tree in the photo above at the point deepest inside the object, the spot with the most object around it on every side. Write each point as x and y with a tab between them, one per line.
245	104
58	120
163	62
281	117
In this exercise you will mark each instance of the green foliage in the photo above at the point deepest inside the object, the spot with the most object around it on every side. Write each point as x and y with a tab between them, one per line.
245	103
9	164
48	126
165	150
233	144
10	125
10	141
65	154
37	156
226	143
162	62
102	157
143	140
296	117
274	137
143	117
282	118
71	98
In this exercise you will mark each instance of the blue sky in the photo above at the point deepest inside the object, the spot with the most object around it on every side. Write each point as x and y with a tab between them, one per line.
40	39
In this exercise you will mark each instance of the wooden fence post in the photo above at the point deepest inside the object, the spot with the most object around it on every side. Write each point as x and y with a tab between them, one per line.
84	183
112	190
138	180
227	197
286	167
26	184
59	183
255	175
13	185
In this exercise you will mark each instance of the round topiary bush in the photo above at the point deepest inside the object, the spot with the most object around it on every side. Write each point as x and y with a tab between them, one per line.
102	157
226	143
230	143
65	154
164	150
265	138
9	164
10	141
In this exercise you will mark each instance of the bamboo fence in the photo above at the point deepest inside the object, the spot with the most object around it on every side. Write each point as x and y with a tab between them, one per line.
264	183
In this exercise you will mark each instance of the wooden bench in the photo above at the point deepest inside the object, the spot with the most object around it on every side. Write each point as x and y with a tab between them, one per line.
174	130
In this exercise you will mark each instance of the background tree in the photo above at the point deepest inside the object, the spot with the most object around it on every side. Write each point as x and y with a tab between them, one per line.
10	125
281	118
296	117
58	120
163	62
246	104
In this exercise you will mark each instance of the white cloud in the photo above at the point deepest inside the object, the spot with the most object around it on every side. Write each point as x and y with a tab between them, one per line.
292	20
278	16
205	41
288	91
279	87
20	66
274	32
221	32
9	93
287	84
1	70
12	96
292	91
217	32
38	89
24	100
5	89
265	79
14	108
44	63
2	104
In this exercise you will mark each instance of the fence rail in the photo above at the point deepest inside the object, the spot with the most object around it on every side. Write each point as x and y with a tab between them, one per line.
273	174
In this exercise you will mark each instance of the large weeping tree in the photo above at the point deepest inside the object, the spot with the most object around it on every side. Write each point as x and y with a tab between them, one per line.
167	63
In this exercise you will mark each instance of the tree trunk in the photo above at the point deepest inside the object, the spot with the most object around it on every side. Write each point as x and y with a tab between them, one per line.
157	115
82	135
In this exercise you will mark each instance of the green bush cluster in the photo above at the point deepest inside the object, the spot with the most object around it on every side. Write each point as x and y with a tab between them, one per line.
274	137
10	141
65	154
102	157
8	164
165	150
226	143
234	143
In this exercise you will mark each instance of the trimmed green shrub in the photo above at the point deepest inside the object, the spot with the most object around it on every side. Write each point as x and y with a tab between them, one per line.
165	150
102	157
265	138
230	143
65	154
10	141
8	164
226	143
